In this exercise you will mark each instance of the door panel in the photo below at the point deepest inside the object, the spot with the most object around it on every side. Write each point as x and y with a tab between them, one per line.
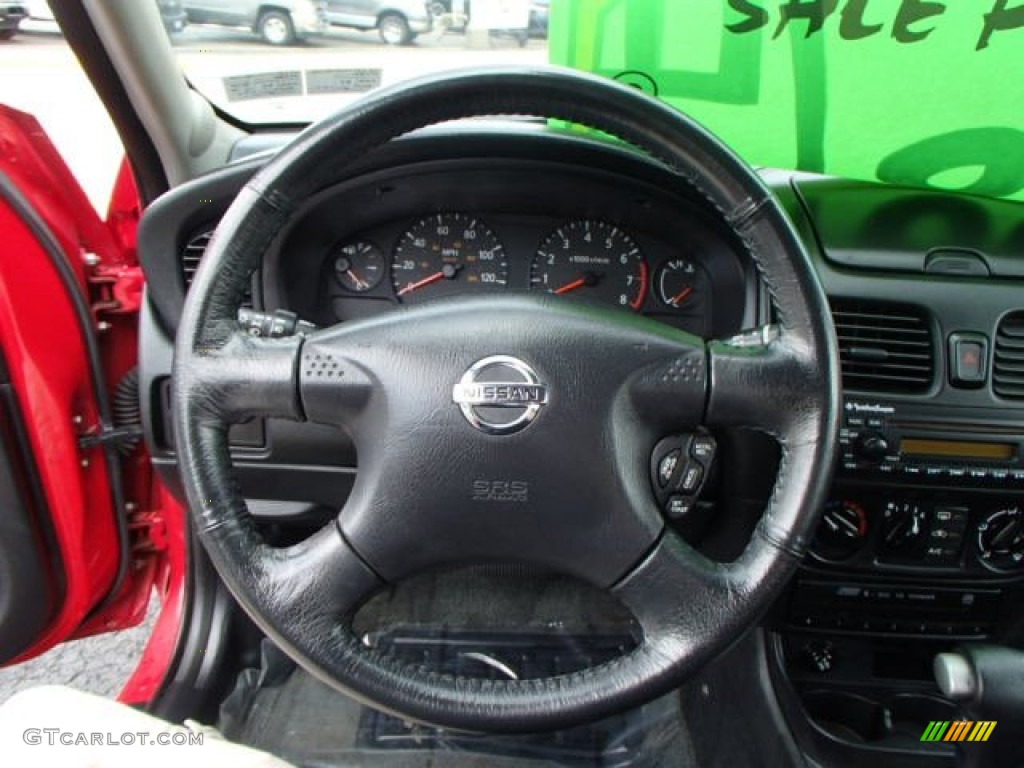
31	572
67	332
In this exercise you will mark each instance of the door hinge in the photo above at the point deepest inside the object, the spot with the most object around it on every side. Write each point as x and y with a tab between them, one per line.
115	290
148	532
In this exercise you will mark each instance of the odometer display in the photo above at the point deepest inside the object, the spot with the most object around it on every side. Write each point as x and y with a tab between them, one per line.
591	259
447	254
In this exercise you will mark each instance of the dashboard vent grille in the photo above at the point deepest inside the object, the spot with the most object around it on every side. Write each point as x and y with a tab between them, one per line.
884	347
192	254
1008	365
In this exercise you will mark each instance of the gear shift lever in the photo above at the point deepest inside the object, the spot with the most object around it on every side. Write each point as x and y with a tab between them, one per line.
987	682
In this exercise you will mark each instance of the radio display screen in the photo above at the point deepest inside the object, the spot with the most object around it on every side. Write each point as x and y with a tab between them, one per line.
957	449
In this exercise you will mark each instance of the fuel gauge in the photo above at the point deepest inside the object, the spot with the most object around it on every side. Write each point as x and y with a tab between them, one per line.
359	267
678	283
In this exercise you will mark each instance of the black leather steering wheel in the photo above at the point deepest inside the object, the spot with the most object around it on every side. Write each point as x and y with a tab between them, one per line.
599	382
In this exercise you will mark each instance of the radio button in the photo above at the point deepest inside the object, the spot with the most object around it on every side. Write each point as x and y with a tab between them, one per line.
872	447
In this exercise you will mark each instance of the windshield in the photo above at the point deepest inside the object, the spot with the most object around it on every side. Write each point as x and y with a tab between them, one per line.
271	67
916	93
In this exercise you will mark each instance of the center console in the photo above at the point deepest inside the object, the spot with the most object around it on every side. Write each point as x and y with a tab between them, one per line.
920	548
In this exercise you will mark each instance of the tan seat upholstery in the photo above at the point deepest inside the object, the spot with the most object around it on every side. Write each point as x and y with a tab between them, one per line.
57	726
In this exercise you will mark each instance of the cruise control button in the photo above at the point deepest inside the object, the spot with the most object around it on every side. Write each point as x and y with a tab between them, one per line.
667	467
703	449
691	479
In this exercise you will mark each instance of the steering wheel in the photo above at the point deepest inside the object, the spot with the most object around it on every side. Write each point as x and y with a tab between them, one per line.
443	397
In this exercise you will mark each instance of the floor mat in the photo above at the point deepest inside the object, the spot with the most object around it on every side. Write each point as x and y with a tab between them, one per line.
284	710
490	623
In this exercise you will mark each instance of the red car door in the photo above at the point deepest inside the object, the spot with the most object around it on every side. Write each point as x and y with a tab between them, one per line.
85	531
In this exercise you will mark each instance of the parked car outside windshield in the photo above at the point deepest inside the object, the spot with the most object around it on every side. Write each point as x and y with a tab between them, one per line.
398	22
11	15
281	24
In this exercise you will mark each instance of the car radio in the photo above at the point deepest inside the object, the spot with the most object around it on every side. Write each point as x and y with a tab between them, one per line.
928	444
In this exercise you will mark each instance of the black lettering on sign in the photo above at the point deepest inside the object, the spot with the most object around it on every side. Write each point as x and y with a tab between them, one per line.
857	21
756	17
911	12
853	26
815	11
1000	19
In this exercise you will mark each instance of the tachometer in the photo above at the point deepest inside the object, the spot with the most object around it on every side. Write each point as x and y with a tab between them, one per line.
592	259
447	254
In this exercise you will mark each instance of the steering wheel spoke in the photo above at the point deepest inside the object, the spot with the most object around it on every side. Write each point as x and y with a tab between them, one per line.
671	394
671	591
761	380
245	376
321	579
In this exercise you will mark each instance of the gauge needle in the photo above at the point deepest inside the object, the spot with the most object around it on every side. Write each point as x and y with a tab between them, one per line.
681	296
360	283
570	287
447	272
437	276
587	279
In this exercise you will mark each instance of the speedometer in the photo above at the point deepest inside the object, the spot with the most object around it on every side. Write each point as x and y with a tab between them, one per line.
448	254
592	259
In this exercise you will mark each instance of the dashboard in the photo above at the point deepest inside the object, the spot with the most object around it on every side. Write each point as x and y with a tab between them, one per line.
428	232
922	544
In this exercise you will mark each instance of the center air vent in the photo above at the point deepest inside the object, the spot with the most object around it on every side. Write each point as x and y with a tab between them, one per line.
1008	366
884	347
192	254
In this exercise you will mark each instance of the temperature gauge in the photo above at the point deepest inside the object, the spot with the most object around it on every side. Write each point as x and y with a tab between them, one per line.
679	283
359	267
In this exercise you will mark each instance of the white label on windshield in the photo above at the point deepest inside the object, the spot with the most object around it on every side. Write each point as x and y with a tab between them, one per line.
319	81
263	85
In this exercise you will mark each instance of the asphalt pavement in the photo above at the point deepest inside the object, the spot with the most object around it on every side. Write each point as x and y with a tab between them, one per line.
100	665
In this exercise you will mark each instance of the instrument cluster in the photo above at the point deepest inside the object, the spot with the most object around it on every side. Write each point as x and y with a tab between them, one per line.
456	253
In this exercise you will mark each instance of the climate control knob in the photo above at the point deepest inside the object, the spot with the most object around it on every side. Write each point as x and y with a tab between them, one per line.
904	525
842	531
1001	539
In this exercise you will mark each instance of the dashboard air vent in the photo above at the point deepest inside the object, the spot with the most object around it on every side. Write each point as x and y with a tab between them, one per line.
1008	365
192	254
884	347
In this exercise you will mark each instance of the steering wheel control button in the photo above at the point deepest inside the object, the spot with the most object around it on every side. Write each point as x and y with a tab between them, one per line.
500	395
667	468
703	449
678	507
691	478
680	468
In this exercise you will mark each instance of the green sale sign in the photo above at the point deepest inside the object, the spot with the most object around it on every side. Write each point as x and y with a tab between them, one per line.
915	92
